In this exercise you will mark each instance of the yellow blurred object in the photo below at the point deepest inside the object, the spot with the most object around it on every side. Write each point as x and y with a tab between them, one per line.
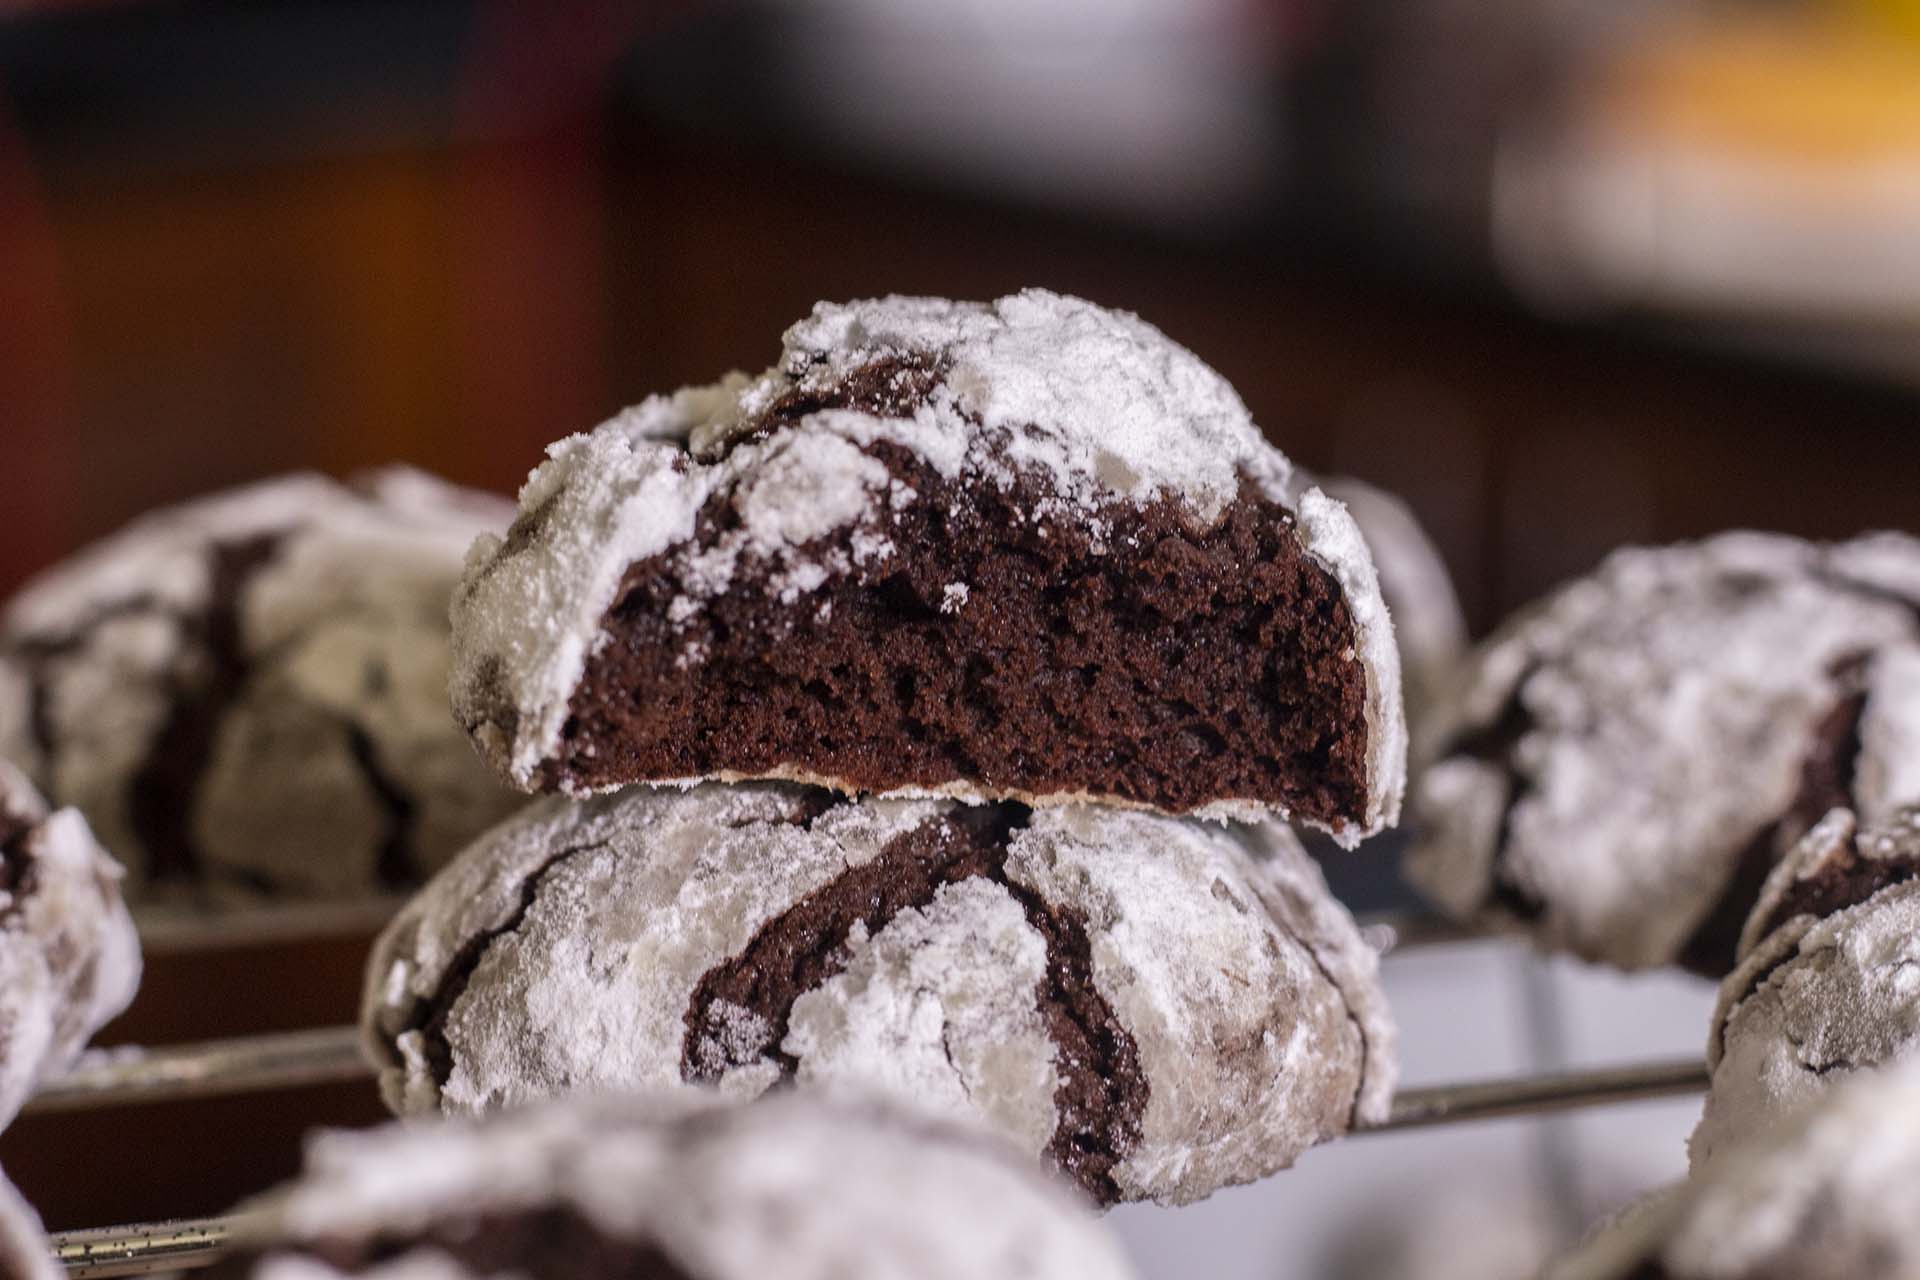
1900	17
1810	87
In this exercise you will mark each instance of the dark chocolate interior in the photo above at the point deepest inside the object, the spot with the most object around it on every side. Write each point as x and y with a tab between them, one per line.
1102	1091
1163	664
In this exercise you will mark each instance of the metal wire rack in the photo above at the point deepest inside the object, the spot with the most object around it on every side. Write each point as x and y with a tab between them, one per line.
285	1060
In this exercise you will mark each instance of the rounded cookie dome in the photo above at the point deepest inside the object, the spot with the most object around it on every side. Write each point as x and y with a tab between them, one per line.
1158	1007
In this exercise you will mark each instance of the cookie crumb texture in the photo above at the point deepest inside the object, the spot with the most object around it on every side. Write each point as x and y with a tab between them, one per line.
1027	550
246	694
1156	1007
1624	763
610	1189
1834	1194
69	957
1825	987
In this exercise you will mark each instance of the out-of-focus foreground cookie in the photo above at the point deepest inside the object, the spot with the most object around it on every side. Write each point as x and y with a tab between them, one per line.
69	957
247	694
1023	550
617	1189
1159	1007
1833	1195
1625	762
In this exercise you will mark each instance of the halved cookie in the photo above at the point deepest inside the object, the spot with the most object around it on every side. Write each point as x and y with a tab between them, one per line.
1028	550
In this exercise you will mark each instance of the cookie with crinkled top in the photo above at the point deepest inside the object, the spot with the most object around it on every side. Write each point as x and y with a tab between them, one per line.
1622	764
1156	1006
246	694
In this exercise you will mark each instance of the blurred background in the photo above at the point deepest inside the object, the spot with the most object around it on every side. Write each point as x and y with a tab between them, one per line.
1561	273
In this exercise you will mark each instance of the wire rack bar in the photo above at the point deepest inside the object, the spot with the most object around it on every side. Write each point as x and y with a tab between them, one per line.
280	1060
1533	1095
181	1244
147	1247
176	930
289	1059
332	1054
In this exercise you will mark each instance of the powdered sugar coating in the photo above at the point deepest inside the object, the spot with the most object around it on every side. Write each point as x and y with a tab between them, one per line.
1818	998
1834	1194
1428	626
1102	407
337	730
25	1251
1615	749
792	1186
69	957
1253	1002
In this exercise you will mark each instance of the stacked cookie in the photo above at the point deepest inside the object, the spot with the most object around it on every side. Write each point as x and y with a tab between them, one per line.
888	695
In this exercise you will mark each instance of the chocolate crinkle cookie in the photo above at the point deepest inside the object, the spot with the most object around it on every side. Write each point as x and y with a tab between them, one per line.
247	694
69	957
1825	986
1625	762
25	1252
630	1189
1834	1194
1023	550
1158	1007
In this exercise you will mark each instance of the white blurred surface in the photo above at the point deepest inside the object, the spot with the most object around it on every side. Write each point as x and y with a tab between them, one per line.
1440	1201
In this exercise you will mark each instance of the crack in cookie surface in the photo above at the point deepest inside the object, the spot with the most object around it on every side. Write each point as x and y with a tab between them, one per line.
162	791
19	860
1826	782
740	1009
396	864
430	1016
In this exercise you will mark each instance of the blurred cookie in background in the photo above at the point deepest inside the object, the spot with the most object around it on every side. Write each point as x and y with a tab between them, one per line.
247	694
1624	762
